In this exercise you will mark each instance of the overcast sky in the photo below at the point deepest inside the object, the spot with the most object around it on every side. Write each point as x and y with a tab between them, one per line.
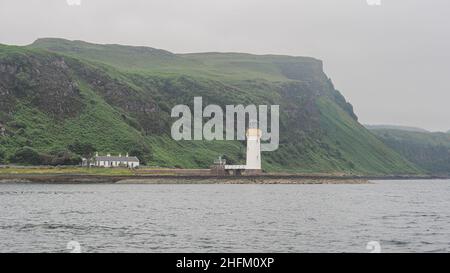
392	61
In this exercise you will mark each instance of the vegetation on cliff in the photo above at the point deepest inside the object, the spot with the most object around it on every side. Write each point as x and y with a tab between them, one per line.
430	151
56	93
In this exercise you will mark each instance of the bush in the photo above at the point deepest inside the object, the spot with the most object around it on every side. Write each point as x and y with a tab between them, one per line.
85	150
26	155
62	157
229	160
29	156
2	156
142	152
17	124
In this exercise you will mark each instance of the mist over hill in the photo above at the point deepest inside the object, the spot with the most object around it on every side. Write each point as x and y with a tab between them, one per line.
56	93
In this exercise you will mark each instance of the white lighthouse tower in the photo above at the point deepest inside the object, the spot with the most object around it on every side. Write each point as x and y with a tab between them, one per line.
253	148
253	165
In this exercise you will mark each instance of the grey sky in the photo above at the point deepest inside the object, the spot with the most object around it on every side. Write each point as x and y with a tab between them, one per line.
391	61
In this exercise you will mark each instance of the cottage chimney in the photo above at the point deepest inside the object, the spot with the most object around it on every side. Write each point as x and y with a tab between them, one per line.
96	153
120	155
108	155
127	154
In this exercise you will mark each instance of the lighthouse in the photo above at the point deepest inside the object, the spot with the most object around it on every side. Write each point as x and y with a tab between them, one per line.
253	164
253	148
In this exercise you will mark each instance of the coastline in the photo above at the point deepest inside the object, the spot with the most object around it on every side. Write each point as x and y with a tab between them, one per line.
182	181
200	179
78	175
248	181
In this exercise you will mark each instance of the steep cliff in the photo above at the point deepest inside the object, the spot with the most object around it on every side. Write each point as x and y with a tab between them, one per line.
118	98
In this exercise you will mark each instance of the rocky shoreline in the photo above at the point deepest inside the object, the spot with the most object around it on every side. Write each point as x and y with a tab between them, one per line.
243	181
190	179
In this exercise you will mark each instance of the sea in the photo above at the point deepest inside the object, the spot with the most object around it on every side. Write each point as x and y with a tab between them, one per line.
382	216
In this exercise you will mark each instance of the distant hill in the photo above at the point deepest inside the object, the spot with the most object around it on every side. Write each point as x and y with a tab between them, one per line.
57	93
396	127
430	151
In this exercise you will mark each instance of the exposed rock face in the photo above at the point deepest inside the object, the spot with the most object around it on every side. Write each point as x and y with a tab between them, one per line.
121	95
43	81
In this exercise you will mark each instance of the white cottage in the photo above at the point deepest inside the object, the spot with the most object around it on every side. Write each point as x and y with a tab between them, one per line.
109	161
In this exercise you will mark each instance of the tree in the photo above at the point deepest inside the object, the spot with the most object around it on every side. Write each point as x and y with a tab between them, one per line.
85	150
63	157
142	152
26	155
2	156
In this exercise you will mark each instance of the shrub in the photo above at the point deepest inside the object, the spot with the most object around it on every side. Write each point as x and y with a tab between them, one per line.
26	155
142	152
30	156
2	156
62	157
229	160
17	124
85	150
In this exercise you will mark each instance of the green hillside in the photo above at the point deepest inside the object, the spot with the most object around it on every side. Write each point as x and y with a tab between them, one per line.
56	94
396	127
222	66
430	151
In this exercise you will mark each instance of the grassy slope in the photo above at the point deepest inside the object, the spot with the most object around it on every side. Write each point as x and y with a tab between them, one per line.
223	66
342	146
361	149
430	151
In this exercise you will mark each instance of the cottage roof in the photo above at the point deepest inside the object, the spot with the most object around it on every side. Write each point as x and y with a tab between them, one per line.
117	158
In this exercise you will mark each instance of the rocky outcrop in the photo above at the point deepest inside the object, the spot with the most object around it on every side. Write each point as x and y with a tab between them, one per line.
42	80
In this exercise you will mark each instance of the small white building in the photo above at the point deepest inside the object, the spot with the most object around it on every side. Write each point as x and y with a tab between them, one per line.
109	161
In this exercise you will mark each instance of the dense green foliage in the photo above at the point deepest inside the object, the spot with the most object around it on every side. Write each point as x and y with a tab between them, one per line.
26	155
29	156
430	151
2	156
118	99
87	150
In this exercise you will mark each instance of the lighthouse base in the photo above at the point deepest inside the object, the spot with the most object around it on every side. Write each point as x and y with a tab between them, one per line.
233	170
253	172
